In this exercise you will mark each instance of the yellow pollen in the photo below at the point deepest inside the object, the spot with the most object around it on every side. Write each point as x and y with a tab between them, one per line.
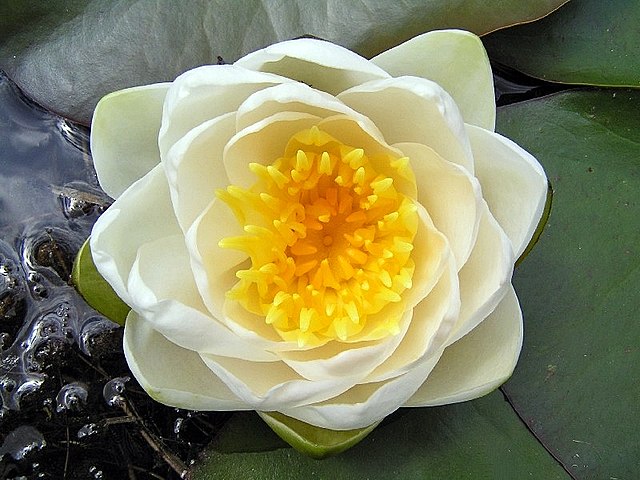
329	239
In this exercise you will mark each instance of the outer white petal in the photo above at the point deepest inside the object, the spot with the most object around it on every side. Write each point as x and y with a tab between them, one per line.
479	362
452	197
513	184
413	109
204	93
273	386
124	135
485	278
322	65
454	59
194	167
173	375
143	213
164	293
365	404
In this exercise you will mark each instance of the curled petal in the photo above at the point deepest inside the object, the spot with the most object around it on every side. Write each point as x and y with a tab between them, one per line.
322	65
479	362
124	136
119	232
171	374
513	184
412	109
454	59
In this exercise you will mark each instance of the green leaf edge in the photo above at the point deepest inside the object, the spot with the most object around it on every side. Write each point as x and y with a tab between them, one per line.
94	288
316	442
541	224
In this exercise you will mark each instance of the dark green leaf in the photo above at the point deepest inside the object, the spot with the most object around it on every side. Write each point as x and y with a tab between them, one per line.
591	42
475	440
68	54
94	289
577	383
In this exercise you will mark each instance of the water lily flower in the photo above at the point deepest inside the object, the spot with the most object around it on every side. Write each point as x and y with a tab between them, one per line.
313	233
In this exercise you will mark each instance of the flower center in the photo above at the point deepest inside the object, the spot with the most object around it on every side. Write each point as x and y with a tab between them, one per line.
329	241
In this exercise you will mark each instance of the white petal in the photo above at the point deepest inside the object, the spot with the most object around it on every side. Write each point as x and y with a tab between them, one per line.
479	362
263	142
194	167
485	278
413	109
513	184
454	59
364	404
164	293
173	375
451	196
143	213
322	65
289	97
430	326
272	386
204	93
337	359
124	136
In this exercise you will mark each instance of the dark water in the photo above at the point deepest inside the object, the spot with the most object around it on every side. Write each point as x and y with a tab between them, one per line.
69	407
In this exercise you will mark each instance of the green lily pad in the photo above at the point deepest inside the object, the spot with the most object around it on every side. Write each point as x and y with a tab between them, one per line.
314	441
576	384
94	289
474	440
68	54
589	42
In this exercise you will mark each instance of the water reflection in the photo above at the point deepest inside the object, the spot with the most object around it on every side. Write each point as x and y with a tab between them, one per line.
64	408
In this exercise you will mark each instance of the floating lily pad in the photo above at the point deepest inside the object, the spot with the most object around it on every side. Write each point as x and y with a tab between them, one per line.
68	54
588	42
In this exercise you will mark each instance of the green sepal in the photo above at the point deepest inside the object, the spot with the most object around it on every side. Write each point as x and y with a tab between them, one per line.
313	441
541	224
95	289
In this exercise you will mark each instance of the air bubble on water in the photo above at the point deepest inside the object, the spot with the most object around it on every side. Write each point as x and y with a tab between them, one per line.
87	430
21	441
96	472
177	425
72	396
113	391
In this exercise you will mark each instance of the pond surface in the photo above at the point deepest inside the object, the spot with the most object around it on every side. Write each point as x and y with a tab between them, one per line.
69	407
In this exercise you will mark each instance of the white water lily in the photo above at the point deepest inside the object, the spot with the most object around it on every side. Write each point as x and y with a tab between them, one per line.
310	232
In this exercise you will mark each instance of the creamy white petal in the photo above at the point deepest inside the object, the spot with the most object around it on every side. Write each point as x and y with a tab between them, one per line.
485	278
164	293
262	142
204	93
289	97
454	59
124	135
413	109
513	184
322	65
364	404
143	213
479	362
173	375
272	386
194	167
432	320
337	359
452	197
